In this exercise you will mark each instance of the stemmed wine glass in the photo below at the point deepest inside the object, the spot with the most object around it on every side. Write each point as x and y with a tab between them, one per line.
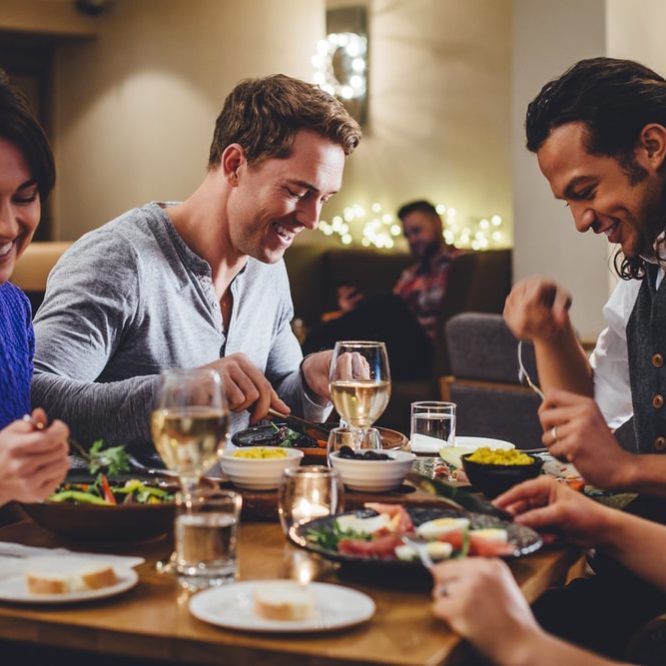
189	425
360	383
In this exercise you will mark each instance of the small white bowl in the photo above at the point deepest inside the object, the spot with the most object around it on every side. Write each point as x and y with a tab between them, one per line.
374	476
258	473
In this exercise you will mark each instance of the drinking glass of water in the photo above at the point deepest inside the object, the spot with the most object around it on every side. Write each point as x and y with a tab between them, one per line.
433	426
205	536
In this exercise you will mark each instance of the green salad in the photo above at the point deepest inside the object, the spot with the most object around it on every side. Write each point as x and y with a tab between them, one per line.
105	464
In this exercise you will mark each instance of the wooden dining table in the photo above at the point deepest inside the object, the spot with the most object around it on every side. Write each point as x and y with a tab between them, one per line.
151	622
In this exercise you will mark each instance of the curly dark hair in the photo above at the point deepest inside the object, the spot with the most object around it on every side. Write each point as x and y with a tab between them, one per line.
263	115
615	99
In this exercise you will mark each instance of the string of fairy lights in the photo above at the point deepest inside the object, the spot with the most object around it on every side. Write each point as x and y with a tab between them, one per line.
378	228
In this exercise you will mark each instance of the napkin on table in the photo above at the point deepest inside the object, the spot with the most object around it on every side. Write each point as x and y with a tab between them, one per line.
14	555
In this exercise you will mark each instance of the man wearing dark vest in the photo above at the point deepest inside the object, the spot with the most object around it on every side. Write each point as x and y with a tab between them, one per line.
599	133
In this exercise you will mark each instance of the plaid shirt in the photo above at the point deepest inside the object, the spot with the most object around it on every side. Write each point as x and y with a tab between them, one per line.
423	288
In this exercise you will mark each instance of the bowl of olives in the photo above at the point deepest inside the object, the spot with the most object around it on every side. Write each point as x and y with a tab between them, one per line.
371	471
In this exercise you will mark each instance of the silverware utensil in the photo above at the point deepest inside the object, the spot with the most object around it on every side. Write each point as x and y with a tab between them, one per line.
523	375
456	497
299	424
420	548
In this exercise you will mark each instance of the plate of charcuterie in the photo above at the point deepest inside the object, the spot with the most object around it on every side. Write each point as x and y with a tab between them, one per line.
374	535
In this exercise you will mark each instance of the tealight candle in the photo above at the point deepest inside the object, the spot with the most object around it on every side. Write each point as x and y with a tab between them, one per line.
304	510
307	493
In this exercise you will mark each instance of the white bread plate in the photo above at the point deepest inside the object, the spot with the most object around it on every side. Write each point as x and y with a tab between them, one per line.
232	607
65	579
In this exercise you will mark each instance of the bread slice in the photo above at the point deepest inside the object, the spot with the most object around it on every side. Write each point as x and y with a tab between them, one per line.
59	575
284	600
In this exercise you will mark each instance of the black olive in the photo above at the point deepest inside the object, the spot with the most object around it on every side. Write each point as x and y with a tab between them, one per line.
346	452
374	455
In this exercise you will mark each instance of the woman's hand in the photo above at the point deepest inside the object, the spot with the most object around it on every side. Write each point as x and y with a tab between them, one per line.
33	459
545	504
480	600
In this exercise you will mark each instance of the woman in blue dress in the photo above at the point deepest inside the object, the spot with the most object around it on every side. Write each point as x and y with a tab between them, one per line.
33	454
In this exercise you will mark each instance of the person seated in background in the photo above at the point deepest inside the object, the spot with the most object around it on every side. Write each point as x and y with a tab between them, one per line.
33	454
423	285
481	601
416	299
199	283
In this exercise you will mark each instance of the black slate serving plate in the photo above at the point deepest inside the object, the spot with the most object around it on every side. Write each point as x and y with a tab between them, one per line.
525	539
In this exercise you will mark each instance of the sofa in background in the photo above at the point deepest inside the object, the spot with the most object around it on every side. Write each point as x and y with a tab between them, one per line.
478	281
34	266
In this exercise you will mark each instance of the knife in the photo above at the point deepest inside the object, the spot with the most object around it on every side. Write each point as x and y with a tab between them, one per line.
457	496
298	424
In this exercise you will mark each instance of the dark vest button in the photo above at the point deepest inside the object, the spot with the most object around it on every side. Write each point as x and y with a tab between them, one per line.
657	360
658	401
660	444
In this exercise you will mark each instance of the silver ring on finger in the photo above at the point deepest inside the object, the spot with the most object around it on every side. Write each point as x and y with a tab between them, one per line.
553	433
442	590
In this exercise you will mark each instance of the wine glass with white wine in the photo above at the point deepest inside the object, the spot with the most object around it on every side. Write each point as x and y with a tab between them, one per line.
189	426
360	383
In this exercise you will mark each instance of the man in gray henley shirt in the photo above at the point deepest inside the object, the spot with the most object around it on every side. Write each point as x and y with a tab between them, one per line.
202	282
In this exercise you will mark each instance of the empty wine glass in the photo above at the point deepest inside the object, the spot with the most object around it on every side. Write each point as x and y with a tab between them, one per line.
189	425
360	383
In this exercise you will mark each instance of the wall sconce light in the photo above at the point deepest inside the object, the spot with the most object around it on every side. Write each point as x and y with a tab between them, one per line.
341	60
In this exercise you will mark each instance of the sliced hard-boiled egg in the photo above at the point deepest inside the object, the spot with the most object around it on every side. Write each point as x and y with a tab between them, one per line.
364	525
433	529
439	550
405	553
436	549
494	534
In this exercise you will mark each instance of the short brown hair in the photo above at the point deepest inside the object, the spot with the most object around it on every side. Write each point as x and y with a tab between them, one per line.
422	206
264	115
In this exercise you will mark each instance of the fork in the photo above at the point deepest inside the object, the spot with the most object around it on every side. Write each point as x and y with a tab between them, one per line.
38	425
523	376
420	547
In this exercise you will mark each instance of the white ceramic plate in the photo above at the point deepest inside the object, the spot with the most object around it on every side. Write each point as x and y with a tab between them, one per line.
231	606
474	443
15	590
433	445
452	454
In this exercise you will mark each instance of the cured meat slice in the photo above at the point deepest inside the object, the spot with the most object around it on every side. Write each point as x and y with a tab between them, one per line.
401	520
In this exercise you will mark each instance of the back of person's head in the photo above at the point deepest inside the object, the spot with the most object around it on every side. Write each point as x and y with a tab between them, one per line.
18	126
421	206
263	116
614	98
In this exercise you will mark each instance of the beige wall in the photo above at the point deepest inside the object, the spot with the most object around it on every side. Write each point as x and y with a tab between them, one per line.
439	108
135	109
548	38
